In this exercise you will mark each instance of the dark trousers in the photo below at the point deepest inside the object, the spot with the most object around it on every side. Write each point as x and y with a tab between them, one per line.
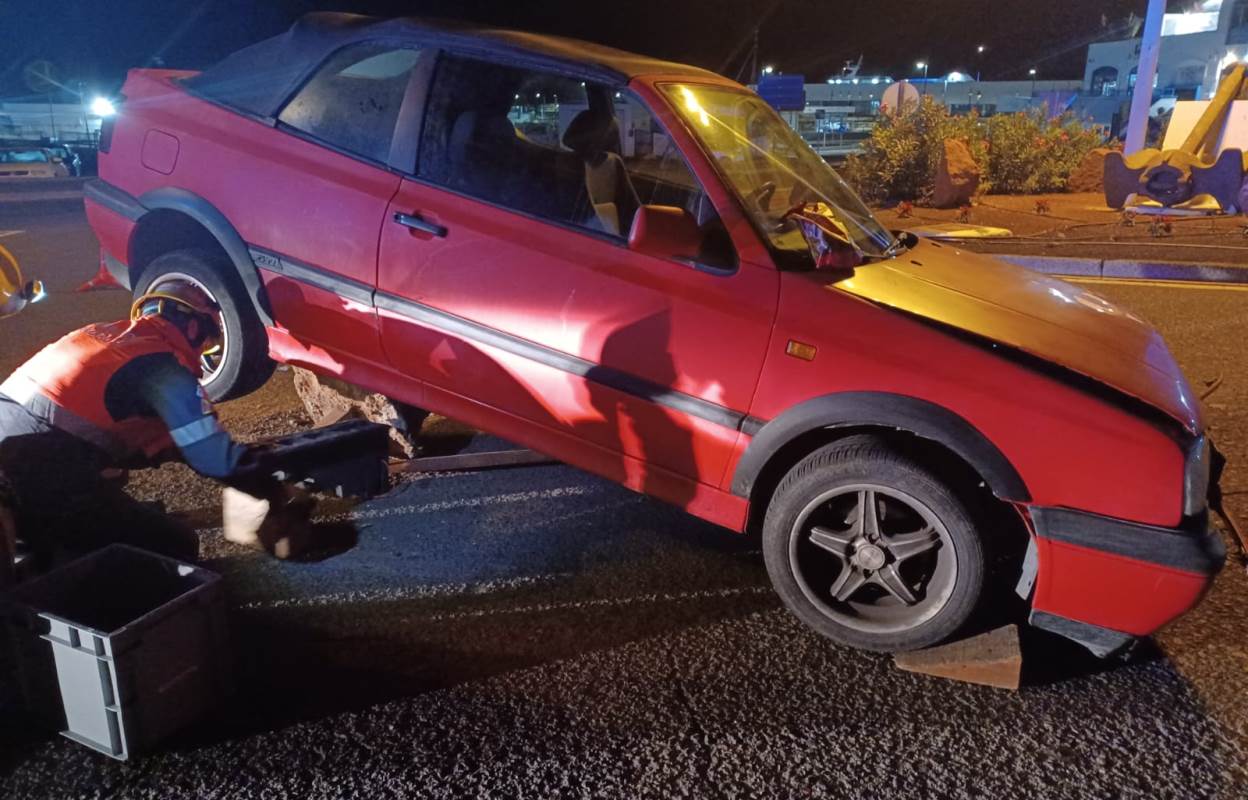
64	506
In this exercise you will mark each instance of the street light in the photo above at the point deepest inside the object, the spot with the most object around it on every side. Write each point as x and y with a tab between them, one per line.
103	107
767	70
923	65
979	62
1032	73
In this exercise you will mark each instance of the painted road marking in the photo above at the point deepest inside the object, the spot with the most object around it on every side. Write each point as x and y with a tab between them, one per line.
448	505
401	593
1232	287
486	587
614	602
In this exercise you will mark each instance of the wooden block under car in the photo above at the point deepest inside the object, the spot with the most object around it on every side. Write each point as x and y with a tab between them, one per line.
990	659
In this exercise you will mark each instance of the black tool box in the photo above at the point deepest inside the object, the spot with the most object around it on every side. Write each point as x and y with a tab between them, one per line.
347	459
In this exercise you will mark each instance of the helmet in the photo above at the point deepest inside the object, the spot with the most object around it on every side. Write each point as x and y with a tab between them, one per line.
15	295
188	298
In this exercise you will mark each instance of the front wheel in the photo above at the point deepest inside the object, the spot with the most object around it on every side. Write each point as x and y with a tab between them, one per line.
241	364
870	549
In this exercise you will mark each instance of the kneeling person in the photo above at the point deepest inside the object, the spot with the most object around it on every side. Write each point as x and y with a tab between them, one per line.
110	397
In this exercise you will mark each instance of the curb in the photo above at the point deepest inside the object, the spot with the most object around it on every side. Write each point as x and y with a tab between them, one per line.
51	203
1127	269
19	186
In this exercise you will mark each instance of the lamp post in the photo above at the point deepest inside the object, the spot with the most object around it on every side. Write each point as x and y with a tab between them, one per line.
1142	94
1032	73
923	65
979	62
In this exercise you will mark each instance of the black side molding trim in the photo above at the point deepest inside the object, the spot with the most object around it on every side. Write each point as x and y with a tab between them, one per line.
885	410
206	214
1201	553
1101	642
112	198
312	275
606	376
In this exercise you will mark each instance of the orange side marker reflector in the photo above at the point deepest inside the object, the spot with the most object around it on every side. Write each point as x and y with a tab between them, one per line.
805	352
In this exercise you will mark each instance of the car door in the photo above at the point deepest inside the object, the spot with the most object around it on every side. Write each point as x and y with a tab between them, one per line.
313	197
504	285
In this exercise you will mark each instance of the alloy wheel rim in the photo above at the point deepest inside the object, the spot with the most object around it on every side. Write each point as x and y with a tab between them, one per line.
211	362
873	558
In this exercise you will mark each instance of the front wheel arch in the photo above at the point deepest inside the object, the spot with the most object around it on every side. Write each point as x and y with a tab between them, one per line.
788	438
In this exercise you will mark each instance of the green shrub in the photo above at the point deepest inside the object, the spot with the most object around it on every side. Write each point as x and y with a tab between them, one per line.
900	158
1017	153
1029	152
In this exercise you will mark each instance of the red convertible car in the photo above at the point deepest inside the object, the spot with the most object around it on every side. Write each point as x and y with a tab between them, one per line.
638	268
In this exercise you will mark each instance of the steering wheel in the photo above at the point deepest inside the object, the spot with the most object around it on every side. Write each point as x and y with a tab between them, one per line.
762	195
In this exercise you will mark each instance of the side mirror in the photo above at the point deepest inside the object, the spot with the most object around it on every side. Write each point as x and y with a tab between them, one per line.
33	291
908	239
665	232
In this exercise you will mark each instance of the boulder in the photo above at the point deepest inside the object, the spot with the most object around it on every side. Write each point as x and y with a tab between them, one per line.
329	400
1089	176
957	176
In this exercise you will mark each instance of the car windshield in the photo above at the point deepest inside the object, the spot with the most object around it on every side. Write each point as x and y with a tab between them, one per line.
23	156
772	169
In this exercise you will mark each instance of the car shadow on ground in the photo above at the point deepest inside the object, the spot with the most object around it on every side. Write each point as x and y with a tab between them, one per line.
1049	659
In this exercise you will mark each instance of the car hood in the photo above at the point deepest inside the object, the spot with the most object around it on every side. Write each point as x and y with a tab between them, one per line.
1033	313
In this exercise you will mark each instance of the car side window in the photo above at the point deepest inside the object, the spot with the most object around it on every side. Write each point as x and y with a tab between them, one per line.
574	152
660	176
353	100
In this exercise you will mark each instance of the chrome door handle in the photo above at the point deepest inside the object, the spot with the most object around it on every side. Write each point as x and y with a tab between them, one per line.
418	224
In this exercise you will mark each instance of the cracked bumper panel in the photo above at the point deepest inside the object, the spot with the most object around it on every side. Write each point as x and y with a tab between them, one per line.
1120	577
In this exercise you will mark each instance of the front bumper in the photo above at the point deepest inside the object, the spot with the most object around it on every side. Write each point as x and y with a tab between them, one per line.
1103	581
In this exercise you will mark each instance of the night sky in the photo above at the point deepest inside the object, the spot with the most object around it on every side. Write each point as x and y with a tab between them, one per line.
97	40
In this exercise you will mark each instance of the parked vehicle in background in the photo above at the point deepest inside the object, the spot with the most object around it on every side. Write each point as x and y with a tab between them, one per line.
638	268
30	162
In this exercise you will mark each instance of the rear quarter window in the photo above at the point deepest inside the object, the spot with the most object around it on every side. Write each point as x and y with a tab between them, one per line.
353	100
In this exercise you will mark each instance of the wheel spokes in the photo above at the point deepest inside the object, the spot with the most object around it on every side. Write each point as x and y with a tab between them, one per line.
909	545
868	514
834	542
891	580
849	581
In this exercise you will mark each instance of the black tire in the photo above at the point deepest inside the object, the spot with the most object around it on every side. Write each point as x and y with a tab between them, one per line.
245	364
811	535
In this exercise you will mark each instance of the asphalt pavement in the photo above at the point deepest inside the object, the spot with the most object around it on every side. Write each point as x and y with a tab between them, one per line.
538	632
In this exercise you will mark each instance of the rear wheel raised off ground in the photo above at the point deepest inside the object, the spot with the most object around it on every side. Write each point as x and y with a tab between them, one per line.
241	364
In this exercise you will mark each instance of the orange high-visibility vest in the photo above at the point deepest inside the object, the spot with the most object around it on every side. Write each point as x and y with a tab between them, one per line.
64	383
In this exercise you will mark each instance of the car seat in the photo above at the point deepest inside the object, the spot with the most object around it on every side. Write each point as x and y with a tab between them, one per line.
594	135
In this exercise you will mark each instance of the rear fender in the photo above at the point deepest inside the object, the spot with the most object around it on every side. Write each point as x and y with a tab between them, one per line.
207	215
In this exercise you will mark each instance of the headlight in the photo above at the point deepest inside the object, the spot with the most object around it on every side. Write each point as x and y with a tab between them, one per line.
1196	478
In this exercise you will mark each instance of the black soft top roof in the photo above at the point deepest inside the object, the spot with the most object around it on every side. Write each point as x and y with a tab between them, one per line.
257	79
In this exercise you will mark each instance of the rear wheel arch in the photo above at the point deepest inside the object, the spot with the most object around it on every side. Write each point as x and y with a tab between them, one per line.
177	219
934	434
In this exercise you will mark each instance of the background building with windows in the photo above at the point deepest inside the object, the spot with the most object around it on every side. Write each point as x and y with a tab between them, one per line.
1197	44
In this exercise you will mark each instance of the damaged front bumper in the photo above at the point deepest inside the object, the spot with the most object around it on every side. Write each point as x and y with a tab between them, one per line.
1104	582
